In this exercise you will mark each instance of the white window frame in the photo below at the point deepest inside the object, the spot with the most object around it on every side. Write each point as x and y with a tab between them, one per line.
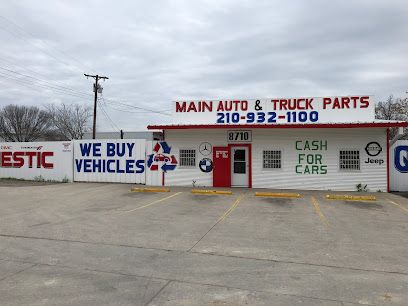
349	170
281	159
195	158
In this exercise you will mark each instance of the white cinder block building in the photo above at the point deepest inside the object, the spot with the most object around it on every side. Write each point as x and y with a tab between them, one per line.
302	143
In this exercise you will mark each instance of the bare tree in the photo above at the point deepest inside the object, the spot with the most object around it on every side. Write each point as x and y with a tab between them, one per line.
71	121
23	123
392	109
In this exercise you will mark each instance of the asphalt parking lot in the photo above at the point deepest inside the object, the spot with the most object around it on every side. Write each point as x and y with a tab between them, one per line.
100	244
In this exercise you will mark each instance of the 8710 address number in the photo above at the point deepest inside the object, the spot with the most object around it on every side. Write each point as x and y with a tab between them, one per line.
239	136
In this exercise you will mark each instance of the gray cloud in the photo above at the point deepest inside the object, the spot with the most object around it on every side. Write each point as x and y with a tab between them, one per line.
158	51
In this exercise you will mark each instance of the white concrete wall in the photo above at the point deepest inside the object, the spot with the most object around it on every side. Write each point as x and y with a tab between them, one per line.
398	179
374	175
14	161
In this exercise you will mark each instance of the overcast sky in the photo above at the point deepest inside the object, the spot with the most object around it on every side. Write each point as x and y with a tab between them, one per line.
157	51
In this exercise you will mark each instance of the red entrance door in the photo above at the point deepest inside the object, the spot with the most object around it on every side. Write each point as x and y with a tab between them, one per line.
222	167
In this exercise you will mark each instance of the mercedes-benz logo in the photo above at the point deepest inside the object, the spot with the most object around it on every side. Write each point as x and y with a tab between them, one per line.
205	148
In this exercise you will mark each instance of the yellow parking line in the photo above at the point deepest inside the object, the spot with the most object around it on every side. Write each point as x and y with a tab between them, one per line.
319	212
399	205
152	203
148	189
233	206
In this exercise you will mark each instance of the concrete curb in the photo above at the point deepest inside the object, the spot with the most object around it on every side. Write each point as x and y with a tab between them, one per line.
216	192
137	189
350	197
277	195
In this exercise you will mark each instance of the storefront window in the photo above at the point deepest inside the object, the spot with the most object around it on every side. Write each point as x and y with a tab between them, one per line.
272	159
349	160
187	157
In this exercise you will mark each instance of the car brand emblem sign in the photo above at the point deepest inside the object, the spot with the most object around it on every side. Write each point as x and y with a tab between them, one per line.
206	165
205	148
373	148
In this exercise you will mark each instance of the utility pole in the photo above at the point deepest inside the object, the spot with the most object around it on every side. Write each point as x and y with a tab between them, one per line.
96	88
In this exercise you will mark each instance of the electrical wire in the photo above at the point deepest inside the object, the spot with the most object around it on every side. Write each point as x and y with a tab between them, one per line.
30	81
42	83
121	109
24	83
35	85
9	64
109	101
62	88
23	34
127	110
111	122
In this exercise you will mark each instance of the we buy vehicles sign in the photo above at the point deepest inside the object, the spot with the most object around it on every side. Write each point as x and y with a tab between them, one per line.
309	110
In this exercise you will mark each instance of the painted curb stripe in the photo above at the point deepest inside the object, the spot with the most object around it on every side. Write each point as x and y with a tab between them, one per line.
217	192
277	195
350	197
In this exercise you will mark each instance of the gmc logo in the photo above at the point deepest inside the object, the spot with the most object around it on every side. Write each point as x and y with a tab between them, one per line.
19	158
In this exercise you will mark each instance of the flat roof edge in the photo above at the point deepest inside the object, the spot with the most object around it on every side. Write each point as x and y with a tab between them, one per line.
280	126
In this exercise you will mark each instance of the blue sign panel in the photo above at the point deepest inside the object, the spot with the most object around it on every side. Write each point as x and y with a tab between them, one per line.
401	159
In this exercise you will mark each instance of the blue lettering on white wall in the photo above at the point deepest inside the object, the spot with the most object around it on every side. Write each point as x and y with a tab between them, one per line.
119	149
140	164
78	165
111	157
85	148
110	165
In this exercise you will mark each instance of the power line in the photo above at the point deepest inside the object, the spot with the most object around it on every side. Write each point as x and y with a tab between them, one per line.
30	80
52	47
19	32
26	70
58	87
112	123
19	81
137	107
126	110
32	84
22	34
